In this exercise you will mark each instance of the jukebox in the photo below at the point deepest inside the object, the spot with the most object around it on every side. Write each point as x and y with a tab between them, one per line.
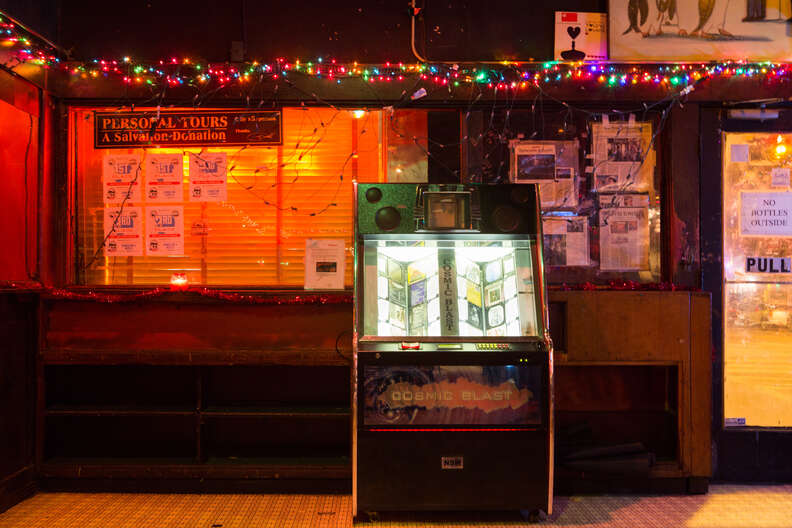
453	368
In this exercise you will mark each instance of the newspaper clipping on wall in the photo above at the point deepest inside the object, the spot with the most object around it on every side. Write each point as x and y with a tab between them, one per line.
624	158
551	164
566	240
624	232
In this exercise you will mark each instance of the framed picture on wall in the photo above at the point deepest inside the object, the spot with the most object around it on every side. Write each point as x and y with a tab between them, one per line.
753	30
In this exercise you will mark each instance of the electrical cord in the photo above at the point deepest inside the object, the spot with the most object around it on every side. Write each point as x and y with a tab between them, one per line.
27	201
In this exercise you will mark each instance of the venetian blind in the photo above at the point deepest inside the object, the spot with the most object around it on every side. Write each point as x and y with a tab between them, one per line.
276	198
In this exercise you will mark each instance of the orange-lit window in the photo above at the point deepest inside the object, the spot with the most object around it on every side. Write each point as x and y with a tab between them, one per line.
277	197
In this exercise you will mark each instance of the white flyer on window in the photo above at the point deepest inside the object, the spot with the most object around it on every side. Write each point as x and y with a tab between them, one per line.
165	230
121	178
324	264
624	232
123	229
164	176
208	174
566	240
624	158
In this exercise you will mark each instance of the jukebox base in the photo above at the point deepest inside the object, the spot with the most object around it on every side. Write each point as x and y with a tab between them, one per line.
452	470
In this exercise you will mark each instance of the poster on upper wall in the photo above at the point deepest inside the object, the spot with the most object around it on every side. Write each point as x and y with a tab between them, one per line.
164	175
121	178
165	231
752	30
624	157
208	177
123	229
581	36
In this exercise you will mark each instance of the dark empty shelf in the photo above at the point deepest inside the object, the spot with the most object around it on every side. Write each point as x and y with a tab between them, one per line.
294	411
117	410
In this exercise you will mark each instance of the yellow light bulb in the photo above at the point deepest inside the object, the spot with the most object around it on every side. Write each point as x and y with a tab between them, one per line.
781	149
358	113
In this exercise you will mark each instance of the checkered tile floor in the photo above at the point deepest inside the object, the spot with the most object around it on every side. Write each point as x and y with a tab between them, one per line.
726	506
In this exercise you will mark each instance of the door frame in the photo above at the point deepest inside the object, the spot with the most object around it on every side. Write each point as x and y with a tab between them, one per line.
744	453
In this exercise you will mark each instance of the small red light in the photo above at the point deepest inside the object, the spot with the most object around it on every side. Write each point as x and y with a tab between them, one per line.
179	282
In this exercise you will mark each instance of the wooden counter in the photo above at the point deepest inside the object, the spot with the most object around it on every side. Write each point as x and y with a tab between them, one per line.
176	390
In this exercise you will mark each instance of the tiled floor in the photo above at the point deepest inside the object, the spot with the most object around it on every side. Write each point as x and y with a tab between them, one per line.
726	506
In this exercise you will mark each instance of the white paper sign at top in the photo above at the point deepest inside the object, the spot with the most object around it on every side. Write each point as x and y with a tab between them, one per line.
123	228
581	36
165	230
766	214
164	175
208	177
121	178
324	264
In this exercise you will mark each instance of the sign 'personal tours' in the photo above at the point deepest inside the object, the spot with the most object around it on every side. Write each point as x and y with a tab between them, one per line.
174	128
766	214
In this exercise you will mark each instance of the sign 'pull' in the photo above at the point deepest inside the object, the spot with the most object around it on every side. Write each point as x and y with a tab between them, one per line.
768	265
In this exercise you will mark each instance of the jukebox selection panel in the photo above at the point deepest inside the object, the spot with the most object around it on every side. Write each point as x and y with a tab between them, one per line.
470	291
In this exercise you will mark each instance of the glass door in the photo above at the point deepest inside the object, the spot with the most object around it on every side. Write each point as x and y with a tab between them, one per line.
757	279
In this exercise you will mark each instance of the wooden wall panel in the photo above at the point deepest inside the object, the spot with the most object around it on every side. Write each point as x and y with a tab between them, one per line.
618	328
174	332
701	385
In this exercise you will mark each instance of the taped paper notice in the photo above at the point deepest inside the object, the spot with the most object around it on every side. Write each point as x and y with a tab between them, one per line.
123	228
324	264
766	214
165	230
164	176
121	178
208	177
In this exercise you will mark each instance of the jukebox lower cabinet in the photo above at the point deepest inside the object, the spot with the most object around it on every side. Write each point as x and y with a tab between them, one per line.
453	363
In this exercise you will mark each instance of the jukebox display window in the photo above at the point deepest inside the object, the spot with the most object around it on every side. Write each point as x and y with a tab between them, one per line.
450	288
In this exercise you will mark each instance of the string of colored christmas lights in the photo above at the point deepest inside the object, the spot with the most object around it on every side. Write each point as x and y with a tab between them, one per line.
506	75
26	48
